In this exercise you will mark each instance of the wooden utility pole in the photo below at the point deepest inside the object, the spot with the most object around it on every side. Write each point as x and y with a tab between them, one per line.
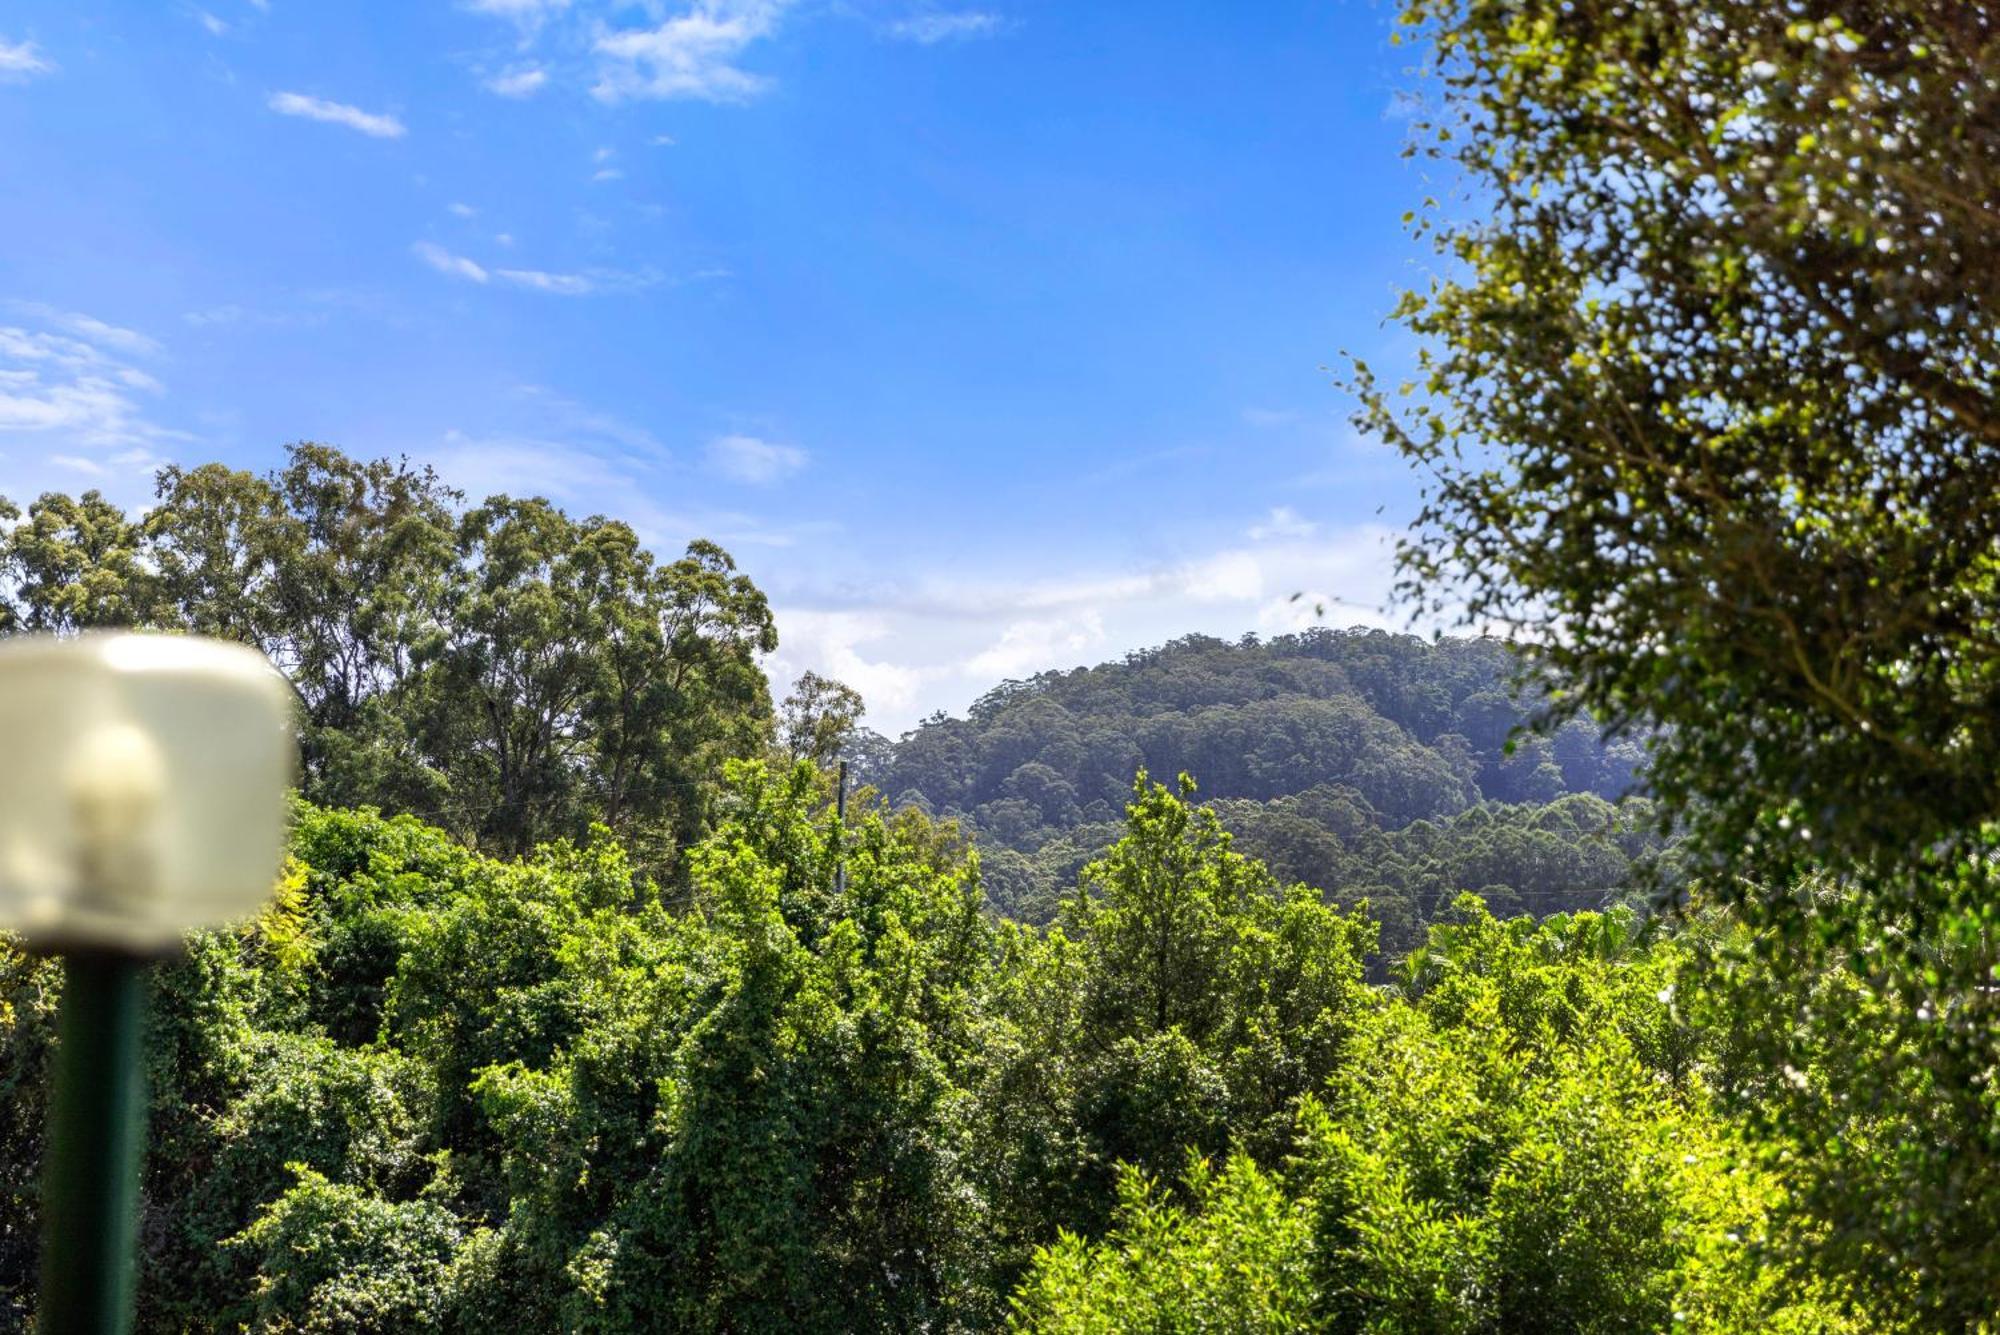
840	833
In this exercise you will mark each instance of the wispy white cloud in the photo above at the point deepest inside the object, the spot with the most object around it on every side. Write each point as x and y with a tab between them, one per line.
586	283
65	383
76	463
20	60
756	462
558	284
86	327
337	113
447	263
216	27
461	210
691	50
523	81
531	465
692	55
934	26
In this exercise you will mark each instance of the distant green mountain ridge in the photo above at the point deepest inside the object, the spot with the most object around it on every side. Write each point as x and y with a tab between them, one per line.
1368	764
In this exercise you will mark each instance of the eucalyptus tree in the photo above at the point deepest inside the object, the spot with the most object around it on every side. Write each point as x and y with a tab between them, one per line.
503	669
581	680
341	572
73	563
818	717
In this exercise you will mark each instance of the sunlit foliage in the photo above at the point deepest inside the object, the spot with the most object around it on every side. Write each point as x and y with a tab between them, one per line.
1707	410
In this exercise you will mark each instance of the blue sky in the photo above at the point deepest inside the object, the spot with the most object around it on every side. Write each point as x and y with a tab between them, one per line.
987	335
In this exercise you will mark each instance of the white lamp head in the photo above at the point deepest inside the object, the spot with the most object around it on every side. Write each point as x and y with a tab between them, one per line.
142	786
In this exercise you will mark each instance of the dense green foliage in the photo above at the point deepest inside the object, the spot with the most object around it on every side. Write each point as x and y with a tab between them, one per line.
431	1090
630	1032
1708	408
508	672
1373	766
1520	1141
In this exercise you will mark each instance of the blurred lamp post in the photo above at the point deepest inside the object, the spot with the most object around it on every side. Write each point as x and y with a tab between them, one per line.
142	794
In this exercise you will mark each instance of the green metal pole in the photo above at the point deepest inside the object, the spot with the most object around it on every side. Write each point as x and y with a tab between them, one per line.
90	1187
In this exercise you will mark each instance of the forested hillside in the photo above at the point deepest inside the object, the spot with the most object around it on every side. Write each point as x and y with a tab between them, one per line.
1367	764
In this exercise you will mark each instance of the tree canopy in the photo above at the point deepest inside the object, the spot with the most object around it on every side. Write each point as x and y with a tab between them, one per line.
505	670
1707	411
433	1090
